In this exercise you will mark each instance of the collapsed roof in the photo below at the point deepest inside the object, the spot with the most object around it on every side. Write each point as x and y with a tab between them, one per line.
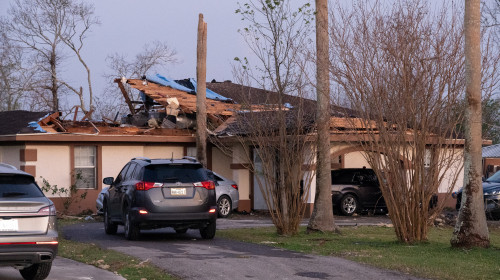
24	122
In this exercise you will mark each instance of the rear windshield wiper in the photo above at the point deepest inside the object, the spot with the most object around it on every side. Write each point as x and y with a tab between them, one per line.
11	194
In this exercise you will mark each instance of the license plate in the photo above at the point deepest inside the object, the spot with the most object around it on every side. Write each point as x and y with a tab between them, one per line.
178	191
9	225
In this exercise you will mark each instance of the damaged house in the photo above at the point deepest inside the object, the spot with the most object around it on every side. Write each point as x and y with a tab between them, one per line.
159	125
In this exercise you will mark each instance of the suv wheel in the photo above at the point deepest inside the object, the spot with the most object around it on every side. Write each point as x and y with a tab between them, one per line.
224	206
208	232
37	271
131	230
348	205
109	226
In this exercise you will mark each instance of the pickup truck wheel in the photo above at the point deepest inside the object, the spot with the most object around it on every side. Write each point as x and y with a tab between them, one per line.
208	232
131	230
348	205
109	226
37	271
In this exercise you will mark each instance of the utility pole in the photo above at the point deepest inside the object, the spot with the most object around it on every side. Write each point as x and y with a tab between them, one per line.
201	92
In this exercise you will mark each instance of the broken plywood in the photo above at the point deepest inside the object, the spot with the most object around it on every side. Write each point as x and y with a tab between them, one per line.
187	102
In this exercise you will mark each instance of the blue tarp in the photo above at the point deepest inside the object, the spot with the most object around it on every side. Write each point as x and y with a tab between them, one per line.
36	127
159	79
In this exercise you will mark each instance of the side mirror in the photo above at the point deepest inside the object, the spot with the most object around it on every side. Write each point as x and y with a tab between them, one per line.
108	180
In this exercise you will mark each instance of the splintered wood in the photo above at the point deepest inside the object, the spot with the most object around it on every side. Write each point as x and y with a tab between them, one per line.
187	101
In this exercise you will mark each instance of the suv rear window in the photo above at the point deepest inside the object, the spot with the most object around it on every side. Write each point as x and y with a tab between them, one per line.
171	173
349	176
19	187
342	176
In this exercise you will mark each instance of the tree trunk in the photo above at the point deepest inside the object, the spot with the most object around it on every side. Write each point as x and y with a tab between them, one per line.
201	107
322	216
471	229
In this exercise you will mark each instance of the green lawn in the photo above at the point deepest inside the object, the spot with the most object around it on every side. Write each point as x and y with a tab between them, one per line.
378	246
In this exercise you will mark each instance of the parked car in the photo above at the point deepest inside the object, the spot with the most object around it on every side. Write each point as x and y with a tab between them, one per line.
355	190
99	200
28	233
227	195
156	193
491	195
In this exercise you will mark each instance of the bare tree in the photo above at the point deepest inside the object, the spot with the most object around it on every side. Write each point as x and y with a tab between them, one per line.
154	57
276	143
322	216
42	28
79	24
490	13
401	68
275	132
471	229
10	72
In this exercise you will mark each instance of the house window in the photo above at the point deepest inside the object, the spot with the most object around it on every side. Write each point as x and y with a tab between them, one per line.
85	167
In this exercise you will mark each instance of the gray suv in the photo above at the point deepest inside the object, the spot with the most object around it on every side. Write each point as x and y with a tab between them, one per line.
156	193
28	233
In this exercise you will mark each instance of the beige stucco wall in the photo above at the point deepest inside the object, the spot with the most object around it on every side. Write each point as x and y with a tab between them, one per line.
163	151
451	174
355	160
53	165
312	187
115	157
221	163
241	176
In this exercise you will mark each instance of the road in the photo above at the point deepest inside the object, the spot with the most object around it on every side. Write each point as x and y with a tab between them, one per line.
190	257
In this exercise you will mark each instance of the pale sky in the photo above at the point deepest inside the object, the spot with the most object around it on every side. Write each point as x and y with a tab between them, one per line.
126	25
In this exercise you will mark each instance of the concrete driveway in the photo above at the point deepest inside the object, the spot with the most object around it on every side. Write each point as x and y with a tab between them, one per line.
64	269
190	257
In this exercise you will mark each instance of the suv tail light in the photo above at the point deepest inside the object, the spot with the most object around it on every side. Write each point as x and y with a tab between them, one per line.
234	186
47	211
144	186
209	185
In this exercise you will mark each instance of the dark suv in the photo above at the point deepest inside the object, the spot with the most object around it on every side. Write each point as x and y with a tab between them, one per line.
156	193
356	189
28	233
491	196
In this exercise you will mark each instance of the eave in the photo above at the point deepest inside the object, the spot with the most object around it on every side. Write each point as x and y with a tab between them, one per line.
59	137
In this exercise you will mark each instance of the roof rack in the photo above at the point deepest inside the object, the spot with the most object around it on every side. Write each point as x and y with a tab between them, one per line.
142	158
7	166
193	159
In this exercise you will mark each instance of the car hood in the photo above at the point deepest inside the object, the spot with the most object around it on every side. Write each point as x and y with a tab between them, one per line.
487	187
490	186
